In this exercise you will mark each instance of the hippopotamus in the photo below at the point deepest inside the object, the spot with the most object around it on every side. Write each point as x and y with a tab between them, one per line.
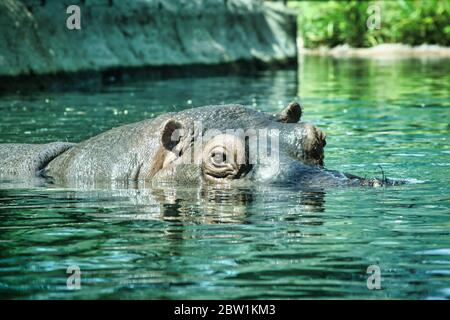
217	144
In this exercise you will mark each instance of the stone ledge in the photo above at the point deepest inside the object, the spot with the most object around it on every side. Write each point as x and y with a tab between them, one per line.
141	33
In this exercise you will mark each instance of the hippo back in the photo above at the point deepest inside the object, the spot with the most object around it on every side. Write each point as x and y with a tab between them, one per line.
26	160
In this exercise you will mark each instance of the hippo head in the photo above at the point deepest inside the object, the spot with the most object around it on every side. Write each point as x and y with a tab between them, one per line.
233	144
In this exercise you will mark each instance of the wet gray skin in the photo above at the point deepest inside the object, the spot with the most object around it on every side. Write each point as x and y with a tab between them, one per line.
166	149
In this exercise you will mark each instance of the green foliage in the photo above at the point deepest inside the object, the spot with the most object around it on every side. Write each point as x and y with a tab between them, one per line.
411	22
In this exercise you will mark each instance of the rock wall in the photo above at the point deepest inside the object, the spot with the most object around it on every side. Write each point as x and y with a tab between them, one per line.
34	39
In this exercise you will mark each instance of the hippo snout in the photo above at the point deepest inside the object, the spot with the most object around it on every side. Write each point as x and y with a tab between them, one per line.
313	142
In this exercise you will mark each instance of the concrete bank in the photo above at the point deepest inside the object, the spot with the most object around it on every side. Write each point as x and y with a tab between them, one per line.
114	35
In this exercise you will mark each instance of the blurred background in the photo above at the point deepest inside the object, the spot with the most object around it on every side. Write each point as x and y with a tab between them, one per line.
413	22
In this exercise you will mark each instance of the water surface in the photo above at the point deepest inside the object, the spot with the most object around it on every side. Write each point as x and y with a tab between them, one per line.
261	242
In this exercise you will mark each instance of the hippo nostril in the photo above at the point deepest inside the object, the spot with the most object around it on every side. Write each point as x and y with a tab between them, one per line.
312	144
322	137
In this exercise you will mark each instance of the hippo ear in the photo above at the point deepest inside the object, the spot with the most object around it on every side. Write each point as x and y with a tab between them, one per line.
172	133
291	114
171	148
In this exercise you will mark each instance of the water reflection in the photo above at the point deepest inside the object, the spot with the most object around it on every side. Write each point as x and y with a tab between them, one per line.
364	81
312	201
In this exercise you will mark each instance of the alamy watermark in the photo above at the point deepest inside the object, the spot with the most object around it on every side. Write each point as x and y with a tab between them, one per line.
221	149
374	280
74	279
374	20
73	21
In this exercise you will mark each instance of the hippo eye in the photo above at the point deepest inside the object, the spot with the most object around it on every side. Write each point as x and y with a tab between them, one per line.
223	158
218	157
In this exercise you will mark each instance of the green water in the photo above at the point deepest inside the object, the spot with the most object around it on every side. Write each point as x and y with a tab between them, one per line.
262	242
